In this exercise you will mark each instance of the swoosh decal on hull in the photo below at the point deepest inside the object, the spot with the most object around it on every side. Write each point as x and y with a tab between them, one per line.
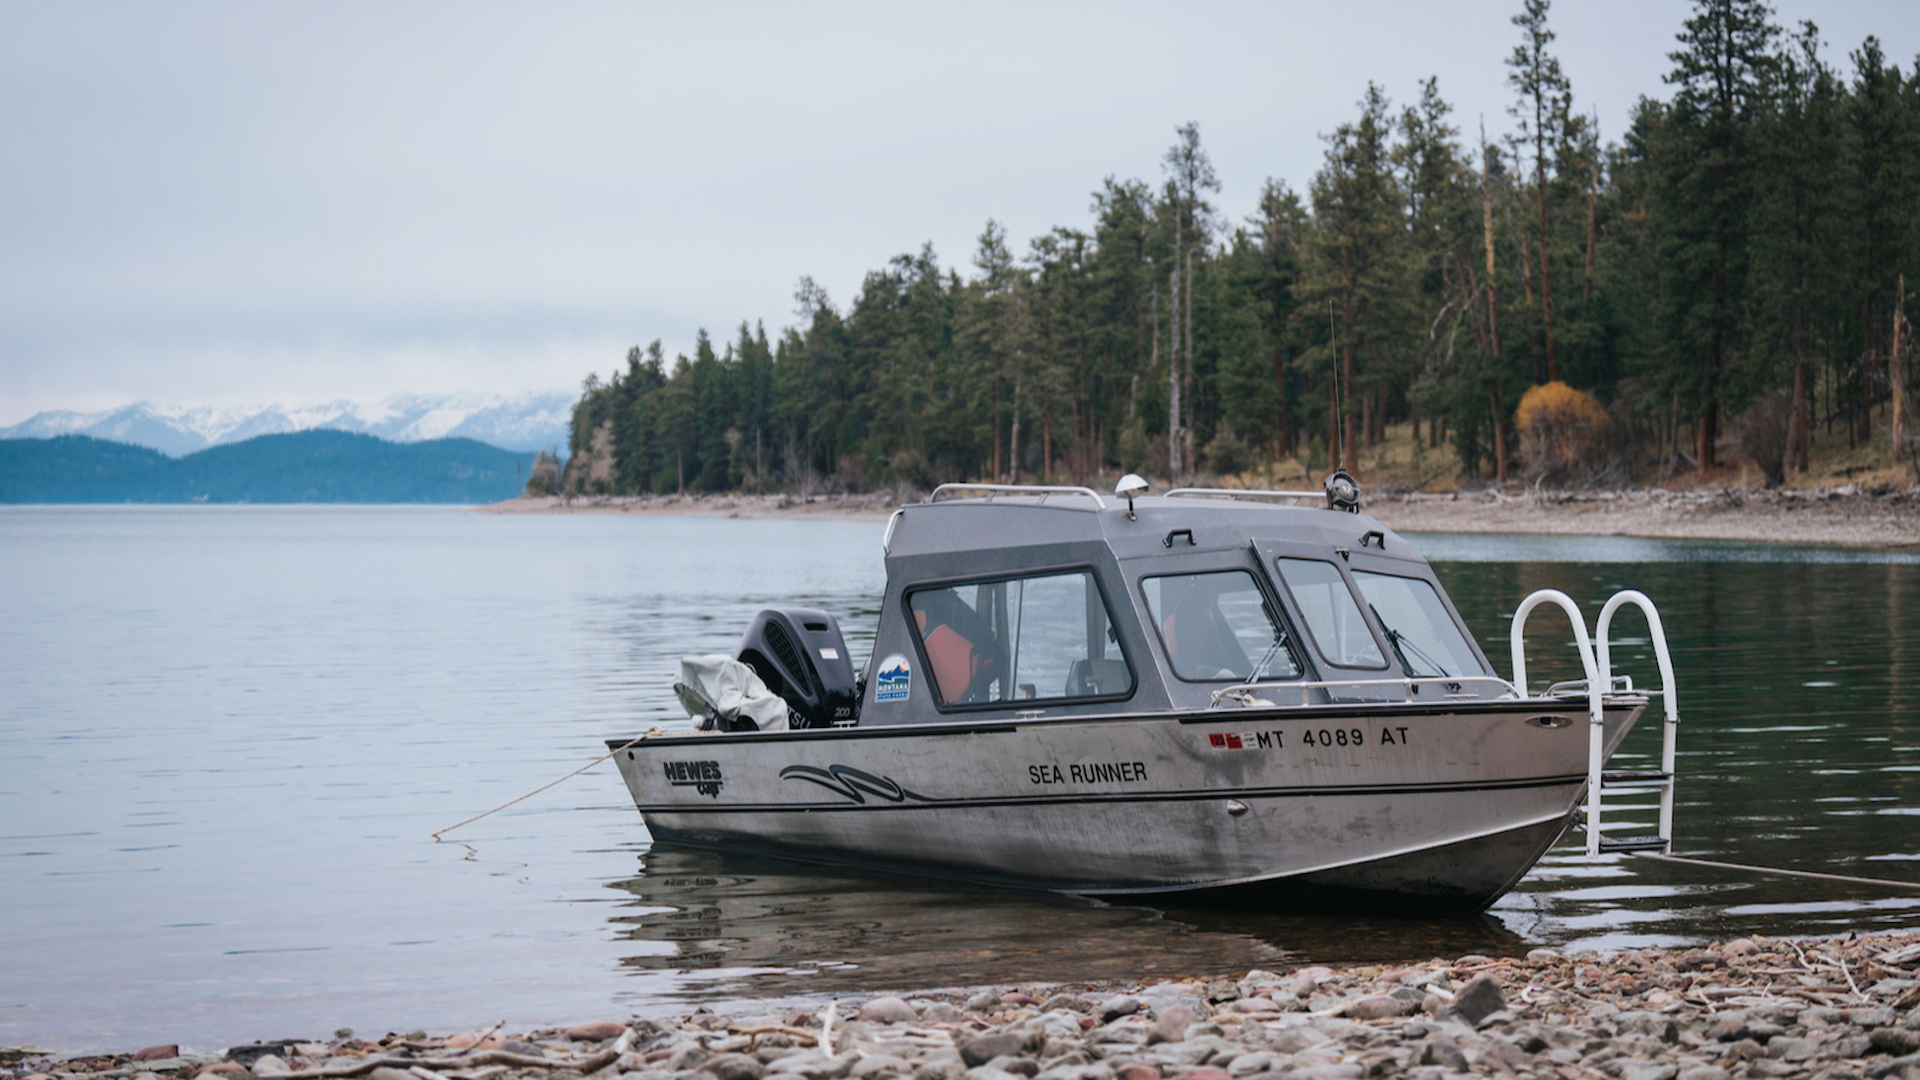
853	783
908	800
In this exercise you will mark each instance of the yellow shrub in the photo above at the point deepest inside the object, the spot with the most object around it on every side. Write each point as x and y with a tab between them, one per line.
1563	432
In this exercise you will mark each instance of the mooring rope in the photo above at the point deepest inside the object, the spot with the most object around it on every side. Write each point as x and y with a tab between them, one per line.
650	733
1883	882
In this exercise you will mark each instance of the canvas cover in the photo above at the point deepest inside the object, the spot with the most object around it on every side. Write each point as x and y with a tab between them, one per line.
717	685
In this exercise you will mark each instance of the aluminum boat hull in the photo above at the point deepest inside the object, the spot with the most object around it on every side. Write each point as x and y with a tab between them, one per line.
1428	807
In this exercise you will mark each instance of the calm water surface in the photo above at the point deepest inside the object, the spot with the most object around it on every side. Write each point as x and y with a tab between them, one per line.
226	733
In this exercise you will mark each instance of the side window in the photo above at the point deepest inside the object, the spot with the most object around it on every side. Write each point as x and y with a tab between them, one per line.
1043	638
1217	626
1333	618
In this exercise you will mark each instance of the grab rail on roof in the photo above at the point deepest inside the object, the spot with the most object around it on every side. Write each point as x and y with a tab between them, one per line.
1042	490
1245	493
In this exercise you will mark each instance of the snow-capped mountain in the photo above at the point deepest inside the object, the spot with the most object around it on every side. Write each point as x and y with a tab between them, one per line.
530	420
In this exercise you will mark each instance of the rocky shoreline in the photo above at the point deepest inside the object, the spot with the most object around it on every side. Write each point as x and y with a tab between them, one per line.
1845	517
1753	1007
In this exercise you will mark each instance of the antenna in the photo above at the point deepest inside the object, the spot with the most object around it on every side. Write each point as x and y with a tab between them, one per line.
1338	453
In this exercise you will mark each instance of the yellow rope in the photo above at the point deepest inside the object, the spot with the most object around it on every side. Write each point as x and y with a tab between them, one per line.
1915	885
651	732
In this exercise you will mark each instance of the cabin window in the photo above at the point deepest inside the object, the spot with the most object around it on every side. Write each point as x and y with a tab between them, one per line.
1422	636
1218	627
1042	638
1332	616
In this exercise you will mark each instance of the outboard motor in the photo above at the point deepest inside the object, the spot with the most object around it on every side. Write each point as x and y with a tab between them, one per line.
801	656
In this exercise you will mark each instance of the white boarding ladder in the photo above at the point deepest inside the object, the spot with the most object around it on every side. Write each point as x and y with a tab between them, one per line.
1597	661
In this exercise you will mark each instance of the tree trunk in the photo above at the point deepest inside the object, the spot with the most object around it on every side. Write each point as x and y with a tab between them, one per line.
1897	420
1174	462
1546	284
1797	423
1495	394
1499	437
1013	442
1186	426
1593	221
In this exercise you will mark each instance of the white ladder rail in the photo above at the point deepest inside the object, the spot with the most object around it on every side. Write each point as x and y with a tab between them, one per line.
1596	710
1597	660
1668	698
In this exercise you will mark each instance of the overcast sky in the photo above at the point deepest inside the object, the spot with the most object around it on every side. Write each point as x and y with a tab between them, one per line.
221	202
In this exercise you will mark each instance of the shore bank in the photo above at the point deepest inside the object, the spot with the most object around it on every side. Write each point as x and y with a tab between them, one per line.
1846	517
1751	1007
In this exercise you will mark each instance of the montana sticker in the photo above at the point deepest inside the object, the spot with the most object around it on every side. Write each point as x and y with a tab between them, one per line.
895	680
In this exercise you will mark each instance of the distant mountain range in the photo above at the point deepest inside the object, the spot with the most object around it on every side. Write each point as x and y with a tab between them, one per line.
300	467
532	420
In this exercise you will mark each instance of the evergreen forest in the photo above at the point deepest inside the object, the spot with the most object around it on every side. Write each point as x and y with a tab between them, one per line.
1725	279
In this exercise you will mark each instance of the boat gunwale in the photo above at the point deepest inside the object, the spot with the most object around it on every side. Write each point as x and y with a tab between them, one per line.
1263	714
1448	787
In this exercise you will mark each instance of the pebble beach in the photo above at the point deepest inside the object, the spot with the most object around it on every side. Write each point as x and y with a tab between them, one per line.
1751	1007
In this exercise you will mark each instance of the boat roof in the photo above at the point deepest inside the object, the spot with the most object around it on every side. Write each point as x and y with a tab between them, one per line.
1005	519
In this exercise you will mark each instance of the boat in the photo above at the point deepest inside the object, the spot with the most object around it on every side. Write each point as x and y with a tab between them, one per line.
1245	698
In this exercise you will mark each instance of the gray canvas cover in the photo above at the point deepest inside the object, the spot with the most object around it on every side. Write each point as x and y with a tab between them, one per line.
725	687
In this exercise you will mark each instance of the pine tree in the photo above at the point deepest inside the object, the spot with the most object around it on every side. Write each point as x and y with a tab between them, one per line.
1722	74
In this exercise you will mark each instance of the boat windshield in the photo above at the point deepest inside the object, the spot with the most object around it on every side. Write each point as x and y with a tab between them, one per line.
1333	618
1039	638
1424	637
1217	626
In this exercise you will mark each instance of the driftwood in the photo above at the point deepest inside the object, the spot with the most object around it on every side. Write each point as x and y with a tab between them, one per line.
590	1064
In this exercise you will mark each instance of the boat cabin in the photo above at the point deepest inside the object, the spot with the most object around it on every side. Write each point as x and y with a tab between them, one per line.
1057	602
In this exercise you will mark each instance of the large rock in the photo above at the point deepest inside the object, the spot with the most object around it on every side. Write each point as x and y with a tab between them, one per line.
1171	1025
1895	1040
1477	1000
888	1010
1445	1053
984	1048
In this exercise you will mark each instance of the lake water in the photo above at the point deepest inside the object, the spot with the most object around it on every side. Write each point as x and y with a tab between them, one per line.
226	734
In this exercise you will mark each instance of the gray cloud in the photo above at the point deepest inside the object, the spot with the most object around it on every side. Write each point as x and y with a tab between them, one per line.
224	199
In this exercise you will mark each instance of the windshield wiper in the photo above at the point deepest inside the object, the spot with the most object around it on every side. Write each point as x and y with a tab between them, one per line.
1279	642
1401	646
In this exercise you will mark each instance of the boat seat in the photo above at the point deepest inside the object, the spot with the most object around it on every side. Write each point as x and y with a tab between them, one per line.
1092	678
1200	644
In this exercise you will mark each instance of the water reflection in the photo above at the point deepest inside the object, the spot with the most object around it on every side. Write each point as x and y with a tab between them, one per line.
741	926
